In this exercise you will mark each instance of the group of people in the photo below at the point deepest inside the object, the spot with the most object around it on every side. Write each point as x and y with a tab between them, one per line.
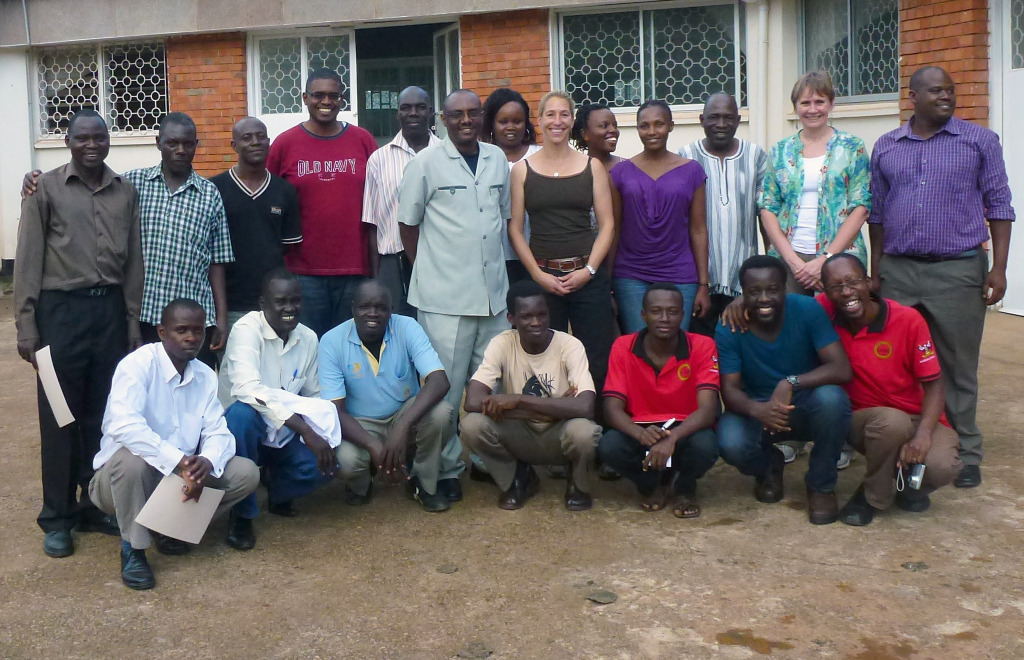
545	291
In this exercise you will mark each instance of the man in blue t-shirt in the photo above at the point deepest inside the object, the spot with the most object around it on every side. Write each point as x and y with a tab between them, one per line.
781	379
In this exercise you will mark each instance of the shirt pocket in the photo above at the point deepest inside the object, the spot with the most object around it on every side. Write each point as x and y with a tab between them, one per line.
295	384
451	190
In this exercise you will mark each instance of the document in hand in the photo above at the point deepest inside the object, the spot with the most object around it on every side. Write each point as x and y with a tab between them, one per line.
166	514
51	386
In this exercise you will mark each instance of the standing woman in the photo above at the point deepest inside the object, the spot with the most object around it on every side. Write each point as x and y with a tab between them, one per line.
815	197
507	125
558	186
661	222
595	132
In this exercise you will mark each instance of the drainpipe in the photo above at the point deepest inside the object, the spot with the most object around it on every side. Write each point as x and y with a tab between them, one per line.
28	35
758	102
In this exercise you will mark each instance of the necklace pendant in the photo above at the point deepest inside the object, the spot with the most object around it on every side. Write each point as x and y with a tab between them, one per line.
556	173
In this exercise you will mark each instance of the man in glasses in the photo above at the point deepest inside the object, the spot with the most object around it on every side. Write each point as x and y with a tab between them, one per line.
896	393
325	159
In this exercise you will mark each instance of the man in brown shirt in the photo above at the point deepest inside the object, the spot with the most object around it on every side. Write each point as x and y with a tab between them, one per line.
77	289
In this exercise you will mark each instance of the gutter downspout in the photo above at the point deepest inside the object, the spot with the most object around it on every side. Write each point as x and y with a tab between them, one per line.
758	103
28	34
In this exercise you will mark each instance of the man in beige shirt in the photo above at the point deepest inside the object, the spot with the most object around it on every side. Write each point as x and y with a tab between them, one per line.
77	289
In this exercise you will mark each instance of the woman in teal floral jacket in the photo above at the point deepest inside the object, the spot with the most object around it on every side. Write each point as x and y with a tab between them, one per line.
816	196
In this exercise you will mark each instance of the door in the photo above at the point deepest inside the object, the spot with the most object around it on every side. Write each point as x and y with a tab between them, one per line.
1012	93
447	74
380	83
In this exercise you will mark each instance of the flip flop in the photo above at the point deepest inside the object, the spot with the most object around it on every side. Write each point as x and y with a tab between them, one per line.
656	501
684	503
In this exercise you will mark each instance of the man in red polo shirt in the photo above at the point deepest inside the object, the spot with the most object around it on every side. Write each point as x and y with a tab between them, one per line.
656	375
896	392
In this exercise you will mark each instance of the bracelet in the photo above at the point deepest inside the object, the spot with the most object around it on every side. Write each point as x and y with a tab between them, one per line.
827	254
707	284
591	270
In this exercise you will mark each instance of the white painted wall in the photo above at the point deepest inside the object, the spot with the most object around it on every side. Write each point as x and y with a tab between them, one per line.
16	156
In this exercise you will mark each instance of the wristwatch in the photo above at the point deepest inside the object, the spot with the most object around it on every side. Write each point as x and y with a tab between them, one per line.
827	254
794	381
591	270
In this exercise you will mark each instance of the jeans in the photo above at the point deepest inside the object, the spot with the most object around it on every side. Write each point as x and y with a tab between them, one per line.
694	455
629	296
821	415
327	300
589	310
292	471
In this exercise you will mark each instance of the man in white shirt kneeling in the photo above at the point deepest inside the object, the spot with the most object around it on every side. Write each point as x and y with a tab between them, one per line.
163	416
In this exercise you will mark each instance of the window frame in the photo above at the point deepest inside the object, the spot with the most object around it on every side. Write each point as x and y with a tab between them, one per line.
852	98
646	50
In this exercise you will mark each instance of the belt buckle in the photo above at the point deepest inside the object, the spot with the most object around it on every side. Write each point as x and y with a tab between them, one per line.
96	292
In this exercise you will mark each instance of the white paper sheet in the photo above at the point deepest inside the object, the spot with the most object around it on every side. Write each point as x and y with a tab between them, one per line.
51	386
166	514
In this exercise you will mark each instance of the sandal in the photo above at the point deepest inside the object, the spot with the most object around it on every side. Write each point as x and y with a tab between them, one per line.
656	501
685	506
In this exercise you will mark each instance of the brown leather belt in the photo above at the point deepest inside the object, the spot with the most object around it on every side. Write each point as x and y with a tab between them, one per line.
566	265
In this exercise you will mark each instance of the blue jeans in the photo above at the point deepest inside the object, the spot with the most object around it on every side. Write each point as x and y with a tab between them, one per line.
821	415
629	296
327	300
694	455
292	471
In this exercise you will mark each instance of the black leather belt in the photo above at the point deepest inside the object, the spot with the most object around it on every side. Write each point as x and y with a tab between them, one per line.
935	258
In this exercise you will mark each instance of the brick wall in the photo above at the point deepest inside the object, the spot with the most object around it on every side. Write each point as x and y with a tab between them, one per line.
206	79
507	49
953	34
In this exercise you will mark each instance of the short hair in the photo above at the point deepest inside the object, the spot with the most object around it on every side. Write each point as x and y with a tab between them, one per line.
857	263
454	93
759	261
580	124
85	113
186	304
660	286
496	101
654	103
523	289
176	119
556	94
816	82
278	274
916	81
722	95
323	73
368	283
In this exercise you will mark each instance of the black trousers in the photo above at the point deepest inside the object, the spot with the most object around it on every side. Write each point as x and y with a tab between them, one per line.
394	273
87	336
206	356
706	325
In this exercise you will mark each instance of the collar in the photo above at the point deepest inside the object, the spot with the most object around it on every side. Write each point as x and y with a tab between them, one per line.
682	349
167	370
106	178
952	127
876	326
251	193
269	334
740	146
353	334
403	144
449	148
156	172
828	145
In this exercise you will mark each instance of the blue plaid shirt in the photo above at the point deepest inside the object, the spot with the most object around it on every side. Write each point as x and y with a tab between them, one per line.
182	234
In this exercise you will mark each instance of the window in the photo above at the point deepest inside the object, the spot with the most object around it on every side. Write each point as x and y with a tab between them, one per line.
126	83
284	63
857	42
679	54
1017	34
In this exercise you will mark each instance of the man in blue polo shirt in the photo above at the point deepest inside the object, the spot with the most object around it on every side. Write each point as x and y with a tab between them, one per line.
781	380
370	367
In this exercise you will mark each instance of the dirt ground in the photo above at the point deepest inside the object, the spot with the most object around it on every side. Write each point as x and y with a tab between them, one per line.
745	580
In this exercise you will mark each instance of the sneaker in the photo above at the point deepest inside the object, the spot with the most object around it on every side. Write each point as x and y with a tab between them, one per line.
431	503
845	458
788	452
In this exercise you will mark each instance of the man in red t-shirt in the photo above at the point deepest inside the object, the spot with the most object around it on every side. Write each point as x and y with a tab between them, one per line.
896	392
325	159
656	375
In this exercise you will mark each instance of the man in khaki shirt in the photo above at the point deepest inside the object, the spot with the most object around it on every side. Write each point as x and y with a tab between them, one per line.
77	289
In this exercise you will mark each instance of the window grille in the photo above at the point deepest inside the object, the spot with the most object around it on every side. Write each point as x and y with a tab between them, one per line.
1017	34
856	41
285	63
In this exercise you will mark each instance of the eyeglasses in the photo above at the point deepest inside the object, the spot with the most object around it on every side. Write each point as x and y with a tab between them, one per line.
320	96
855	283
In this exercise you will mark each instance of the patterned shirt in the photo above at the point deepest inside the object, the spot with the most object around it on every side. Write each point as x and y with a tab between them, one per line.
732	189
842	187
182	234
380	198
933	196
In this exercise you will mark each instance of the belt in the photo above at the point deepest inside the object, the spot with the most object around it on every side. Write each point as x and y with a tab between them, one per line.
90	292
935	258
567	265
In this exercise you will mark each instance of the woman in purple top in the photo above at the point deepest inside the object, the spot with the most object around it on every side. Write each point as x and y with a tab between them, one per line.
661	222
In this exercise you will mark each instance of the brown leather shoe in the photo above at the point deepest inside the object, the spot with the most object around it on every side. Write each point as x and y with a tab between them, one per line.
769	486
822	508
524	486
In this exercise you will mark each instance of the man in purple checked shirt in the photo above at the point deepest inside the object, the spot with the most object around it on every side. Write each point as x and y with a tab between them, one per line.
934	183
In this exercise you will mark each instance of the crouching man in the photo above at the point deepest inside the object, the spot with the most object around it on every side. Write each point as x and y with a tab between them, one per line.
270	386
543	412
163	416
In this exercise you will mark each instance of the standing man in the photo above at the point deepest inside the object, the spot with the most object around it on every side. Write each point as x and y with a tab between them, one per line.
735	170
935	182
77	289
263	217
325	159
389	263
454	207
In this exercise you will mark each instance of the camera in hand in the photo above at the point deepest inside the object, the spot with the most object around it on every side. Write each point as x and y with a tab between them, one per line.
914	475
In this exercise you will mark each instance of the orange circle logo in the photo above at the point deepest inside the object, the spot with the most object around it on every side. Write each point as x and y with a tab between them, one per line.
683	371
883	350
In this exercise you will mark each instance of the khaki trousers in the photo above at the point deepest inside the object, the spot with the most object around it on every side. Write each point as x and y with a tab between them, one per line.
124	483
501	444
879	433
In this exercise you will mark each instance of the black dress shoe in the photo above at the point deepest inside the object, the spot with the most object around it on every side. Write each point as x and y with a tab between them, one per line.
575	499
524	486
240	536
450	489
352	498
476	474
135	570
969	477
285	509
913	501
769	486
167	545
58	544
857	511
103	524
605	473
